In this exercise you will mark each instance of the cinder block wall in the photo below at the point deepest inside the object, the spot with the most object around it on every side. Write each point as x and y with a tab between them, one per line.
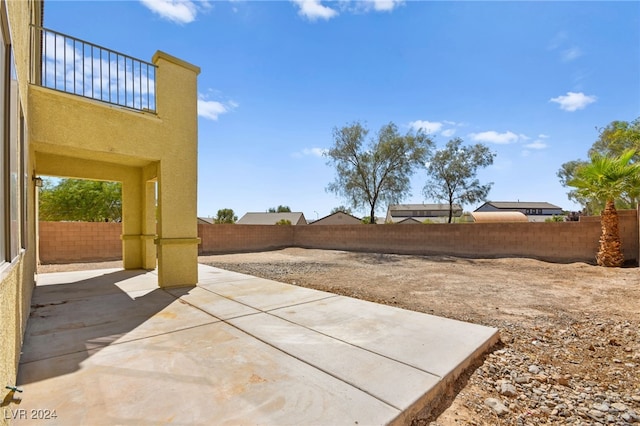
232	238
555	242
65	242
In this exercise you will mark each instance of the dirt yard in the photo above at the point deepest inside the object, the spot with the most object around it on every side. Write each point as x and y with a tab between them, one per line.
570	333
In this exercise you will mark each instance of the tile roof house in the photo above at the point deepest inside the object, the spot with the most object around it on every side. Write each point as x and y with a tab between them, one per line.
421	212
535	211
338	218
265	218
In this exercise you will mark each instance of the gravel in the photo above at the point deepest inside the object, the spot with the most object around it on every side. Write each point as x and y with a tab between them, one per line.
569	367
570	334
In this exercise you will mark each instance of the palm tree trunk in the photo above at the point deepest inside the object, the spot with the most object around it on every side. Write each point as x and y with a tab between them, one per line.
610	253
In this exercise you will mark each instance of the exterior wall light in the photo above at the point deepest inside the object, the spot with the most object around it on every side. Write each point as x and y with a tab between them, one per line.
38	181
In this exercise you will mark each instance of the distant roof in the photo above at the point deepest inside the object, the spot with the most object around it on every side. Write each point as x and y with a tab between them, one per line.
440	206
263	218
521	205
337	218
489	217
408	221
206	220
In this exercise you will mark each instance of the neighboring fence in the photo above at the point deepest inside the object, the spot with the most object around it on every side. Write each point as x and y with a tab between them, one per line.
65	242
62	242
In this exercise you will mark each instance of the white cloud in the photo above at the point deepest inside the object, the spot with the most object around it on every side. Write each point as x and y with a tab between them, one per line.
573	101
314	9
317	152
495	137
427	126
448	133
384	5
537	144
179	11
569	55
543	136
211	110
314	152
558	40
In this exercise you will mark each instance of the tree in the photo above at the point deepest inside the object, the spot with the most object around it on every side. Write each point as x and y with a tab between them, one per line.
341	208
452	174
379	172
618	137
81	200
614	139
279	209
225	216
605	179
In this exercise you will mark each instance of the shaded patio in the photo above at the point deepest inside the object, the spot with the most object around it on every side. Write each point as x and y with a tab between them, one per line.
110	347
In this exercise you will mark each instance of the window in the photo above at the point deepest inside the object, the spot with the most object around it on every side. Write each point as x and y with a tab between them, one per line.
25	182
4	154
12	158
15	175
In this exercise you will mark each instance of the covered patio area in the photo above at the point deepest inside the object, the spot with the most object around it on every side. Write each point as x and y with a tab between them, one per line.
111	347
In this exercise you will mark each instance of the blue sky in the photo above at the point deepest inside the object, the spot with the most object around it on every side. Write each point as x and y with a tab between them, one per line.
532	80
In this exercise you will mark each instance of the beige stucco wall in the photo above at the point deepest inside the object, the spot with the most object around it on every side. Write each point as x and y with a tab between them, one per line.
17	277
70	136
84	138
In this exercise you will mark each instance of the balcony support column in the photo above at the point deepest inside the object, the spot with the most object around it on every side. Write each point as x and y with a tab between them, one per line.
131	220
177	240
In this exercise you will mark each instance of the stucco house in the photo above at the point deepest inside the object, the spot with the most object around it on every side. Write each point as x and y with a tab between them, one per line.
139	127
266	218
206	220
535	211
421	212
338	218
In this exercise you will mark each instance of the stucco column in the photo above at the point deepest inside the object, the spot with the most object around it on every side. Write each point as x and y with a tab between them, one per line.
132	221
149	226
177	240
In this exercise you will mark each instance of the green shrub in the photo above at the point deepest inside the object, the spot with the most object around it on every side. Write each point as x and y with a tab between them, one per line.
555	218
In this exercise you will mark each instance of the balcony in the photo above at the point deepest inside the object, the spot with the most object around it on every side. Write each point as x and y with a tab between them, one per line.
74	66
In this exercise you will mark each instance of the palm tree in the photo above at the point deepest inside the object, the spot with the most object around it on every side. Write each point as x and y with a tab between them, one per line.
605	179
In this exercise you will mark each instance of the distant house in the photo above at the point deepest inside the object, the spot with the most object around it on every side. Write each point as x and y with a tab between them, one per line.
420	212
498	217
260	218
409	221
338	218
535	211
206	221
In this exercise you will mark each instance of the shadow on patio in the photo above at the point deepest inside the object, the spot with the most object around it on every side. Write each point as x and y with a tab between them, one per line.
109	347
81	313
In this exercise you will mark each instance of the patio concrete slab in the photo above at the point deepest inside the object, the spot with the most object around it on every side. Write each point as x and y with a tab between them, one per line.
396	333
107	347
265	294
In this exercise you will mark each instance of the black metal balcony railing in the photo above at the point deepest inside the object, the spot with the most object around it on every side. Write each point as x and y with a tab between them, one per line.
75	66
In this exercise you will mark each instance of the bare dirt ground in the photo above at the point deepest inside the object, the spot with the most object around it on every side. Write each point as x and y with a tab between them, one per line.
570	333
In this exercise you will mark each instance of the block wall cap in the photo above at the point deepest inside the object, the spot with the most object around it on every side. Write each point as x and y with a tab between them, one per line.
162	55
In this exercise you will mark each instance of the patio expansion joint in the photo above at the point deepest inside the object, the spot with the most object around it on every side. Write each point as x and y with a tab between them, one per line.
267	312
354	345
102	346
270	313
